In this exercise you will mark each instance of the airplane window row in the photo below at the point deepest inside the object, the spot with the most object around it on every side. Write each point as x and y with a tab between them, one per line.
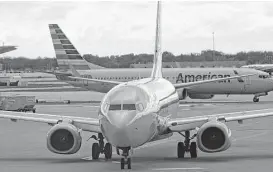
125	78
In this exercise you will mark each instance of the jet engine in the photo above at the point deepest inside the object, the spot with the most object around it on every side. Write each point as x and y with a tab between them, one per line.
64	139
182	94
213	136
201	96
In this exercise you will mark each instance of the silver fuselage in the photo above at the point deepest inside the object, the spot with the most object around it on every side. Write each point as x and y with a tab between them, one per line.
250	85
135	127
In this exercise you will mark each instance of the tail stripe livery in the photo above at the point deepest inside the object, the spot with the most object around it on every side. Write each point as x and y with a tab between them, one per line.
65	51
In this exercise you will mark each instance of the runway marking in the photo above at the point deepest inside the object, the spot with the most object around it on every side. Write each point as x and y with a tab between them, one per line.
155	143
89	158
165	169
249	137
185	109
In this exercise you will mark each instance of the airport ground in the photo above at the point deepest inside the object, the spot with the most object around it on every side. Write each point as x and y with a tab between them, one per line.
23	144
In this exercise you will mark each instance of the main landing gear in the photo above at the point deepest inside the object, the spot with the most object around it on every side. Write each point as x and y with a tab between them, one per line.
186	146
100	148
256	99
256	96
125	160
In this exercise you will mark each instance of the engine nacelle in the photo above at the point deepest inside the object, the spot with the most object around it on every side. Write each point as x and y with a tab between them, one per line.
201	96
213	137
64	139
182	94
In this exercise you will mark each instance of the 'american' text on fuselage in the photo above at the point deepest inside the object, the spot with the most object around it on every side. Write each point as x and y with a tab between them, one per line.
193	78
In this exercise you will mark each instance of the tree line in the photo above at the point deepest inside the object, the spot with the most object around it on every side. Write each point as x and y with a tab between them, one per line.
124	61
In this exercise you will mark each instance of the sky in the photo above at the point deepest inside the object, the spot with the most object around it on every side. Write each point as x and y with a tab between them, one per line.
116	27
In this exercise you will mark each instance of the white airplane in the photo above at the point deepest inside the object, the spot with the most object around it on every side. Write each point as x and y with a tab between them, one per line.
136	112
263	67
68	57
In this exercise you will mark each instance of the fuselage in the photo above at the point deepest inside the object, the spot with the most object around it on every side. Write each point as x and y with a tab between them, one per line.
134	113
260	82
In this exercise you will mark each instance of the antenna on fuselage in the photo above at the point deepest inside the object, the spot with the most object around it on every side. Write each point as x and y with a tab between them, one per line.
157	66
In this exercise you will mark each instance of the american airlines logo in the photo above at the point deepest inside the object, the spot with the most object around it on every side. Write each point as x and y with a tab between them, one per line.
192	78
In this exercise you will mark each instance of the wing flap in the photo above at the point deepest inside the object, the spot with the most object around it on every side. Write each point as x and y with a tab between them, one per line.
96	80
245	117
86	124
184	124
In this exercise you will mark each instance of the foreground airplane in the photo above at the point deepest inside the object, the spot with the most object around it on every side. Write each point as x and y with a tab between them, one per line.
68	57
136	112
262	67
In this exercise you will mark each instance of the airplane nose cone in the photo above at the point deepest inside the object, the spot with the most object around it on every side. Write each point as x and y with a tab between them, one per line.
128	132
121	119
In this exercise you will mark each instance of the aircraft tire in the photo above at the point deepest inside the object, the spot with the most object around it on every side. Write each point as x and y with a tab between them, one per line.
108	151
122	163
95	151
181	150
129	163
193	150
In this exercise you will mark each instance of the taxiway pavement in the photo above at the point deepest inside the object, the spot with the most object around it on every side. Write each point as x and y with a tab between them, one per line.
23	144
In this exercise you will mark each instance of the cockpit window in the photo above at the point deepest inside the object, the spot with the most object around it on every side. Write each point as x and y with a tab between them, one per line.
122	107
115	107
129	107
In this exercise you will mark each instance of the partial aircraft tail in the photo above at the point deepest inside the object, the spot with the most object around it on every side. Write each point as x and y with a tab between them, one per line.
157	66
66	53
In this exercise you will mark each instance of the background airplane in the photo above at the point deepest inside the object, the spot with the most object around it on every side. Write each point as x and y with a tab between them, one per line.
262	67
68	57
7	48
136	112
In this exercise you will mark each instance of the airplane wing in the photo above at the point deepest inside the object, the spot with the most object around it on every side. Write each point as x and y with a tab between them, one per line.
189	84
191	123
114	83
86	124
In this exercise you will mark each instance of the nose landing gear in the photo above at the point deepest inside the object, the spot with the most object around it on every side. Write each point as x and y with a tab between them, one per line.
100	148
186	146
126	160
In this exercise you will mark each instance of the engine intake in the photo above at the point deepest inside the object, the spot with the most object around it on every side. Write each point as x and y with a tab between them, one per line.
64	139
213	137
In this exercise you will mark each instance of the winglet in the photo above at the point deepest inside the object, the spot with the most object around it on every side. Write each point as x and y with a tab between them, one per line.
157	66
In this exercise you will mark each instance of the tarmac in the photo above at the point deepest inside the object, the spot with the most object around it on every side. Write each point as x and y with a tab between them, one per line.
23	144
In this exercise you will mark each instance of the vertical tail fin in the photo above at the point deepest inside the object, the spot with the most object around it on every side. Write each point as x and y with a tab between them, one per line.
65	51
157	66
